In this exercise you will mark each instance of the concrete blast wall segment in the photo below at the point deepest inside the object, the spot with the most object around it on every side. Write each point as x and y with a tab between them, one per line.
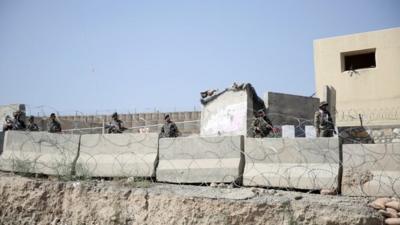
39	152
117	155
226	115
201	159
303	163
371	169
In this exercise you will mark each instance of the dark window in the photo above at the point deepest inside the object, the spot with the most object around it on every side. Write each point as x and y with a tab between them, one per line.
359	60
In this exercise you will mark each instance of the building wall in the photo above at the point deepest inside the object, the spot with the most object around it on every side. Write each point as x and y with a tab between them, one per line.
287	109
374	92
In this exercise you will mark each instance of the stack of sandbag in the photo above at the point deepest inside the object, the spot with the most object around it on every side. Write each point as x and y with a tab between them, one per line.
389	208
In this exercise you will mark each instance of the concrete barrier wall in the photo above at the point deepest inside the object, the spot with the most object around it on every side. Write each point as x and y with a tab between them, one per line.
227	115
117	155
39	152
201	159
371	169
303	163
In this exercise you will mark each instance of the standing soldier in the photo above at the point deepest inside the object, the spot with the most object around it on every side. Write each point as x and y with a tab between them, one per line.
18	122
32	126
169	128
323	121
116	125
54	126
261	125
8	125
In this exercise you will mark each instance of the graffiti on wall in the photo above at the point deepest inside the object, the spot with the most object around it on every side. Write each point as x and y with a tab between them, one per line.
230	119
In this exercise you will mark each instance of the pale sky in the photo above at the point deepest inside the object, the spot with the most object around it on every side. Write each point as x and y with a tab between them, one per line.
100	56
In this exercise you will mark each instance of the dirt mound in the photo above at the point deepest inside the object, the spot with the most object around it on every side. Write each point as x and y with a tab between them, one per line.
42	201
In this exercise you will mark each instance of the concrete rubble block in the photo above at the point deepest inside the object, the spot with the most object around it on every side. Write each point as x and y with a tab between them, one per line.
201	159
39	152
371	169
288	131
302	163
117	155
310	132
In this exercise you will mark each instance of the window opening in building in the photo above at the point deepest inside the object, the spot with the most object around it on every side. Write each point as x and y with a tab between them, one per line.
359	60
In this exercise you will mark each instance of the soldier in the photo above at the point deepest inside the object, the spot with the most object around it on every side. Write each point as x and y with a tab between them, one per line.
54	126
8	125
208	93
18	122
261	125
169	128
323	121
32	126
116	125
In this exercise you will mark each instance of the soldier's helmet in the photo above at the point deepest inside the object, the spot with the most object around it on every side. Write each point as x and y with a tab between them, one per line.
18	113
52	115
323	103
114	115
31	118
166	116
260	112
203	94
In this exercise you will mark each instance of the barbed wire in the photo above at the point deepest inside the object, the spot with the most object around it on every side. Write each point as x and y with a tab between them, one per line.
287	163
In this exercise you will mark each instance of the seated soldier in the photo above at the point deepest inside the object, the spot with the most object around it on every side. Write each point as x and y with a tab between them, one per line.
19	121
8	125
32	126
261	125
169	128
53	126
116	125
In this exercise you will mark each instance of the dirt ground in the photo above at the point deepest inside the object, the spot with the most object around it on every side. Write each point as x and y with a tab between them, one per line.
42	201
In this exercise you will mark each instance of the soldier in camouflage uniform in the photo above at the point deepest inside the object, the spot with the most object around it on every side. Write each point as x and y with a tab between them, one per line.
116	126
54	126
8	125
169	129
261	125
32	126
18	122
323	121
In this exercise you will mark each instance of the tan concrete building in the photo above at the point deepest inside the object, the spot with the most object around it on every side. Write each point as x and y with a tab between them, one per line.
364	70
